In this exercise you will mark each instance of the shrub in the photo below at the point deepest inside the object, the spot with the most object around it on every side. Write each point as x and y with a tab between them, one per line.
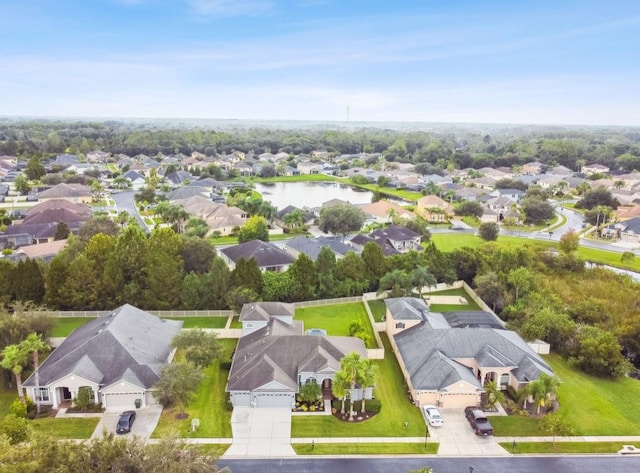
83	399
18	409
225	365
15	428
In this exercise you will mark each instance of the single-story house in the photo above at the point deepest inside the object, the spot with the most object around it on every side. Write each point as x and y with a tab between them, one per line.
312	246
434	209
270	364
268	257
72	192
118	356
628	230
447	358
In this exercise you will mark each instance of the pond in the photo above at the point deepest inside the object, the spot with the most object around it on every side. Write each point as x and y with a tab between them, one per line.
310	194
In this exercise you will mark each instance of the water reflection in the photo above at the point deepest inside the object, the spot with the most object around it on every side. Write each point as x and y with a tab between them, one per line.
310	194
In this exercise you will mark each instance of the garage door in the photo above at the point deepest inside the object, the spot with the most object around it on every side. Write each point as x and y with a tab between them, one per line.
121	400
274	400
451	400
241	399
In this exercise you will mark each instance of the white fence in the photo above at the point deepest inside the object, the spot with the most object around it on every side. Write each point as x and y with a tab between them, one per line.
159	313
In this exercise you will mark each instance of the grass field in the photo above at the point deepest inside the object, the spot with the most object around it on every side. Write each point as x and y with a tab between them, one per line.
209	405
470	305
335	319
378	309
63	326
592	406
66	428
389	422
366	448
565	447
201	322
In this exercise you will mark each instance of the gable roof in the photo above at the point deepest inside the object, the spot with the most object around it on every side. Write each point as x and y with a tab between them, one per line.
269	355
63	190
265	254
263	311
57	210
407	308
127	342
312	246
395	233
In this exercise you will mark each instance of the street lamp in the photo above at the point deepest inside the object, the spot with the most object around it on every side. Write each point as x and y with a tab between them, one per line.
426	436
514	446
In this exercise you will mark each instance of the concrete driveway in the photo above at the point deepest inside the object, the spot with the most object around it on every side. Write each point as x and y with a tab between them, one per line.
146	421
457	439
263	432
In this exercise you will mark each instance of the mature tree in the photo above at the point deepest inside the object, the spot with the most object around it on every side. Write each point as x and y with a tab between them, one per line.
325	269
569	242
14	359
62	231
599	215
239	296
340	387
34	170
220	282
341	219
303	274
374	262
280	287
199	347
310	392
470	208
421	277
522	280
81	289
351	275
28	284
489	231
489	288
420	226
541	389
351	364
556	328
628	162
177	385
293	219
599	353
247	274
595	197
466	262
196	227
100	224
197	254
254	229
268	170
21	184
194	292
162	270
536	210
131	248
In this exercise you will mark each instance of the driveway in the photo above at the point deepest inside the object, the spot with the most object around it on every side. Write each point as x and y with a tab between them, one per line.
457	438
146	421
263	432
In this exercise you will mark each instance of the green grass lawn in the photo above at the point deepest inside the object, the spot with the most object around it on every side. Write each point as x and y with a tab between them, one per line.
63	326
213	449
235	323
6	398
66	428
389	422
365	448
201	322
209	404
593	406
565	447
335	319
378	309
470	305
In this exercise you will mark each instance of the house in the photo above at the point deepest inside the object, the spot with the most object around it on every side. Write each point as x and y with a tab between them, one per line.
312	246
58	210
256	315
118	356
514	195
560	170
628	230
383	211
72	192
137	180
271	363
267	256
178	178
63	161
308	167
590	169
447	358
219	217
393	240
434	209
534	167
44	251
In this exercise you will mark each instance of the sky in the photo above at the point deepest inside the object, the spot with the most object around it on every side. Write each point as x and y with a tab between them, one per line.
472	61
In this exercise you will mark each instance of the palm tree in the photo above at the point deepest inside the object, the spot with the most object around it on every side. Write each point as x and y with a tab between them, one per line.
421	277
542	388
122	218
494	395
351	364
295	218
368	377
398	281
340	388
34	345
14	358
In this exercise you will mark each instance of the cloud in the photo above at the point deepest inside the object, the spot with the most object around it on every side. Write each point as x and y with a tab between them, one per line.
229	8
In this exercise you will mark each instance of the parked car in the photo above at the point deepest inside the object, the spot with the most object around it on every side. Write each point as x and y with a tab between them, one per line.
125	422
478	420
433	415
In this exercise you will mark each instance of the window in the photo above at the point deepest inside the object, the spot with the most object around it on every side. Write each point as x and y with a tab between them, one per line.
311	381
399	324
42	395
504	379
249	325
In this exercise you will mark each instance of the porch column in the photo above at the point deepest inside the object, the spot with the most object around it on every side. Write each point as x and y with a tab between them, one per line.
56	402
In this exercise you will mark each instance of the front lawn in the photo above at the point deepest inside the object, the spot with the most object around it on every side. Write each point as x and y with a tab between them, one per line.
6	398
335	319
593	406
366	448
565	447
66	428
389	422
209	404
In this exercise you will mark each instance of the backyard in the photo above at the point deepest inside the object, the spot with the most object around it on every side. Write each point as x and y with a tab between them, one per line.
398	417
63	326
336	319
209	404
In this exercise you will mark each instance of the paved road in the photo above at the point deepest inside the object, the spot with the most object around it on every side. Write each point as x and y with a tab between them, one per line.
124	201
517	464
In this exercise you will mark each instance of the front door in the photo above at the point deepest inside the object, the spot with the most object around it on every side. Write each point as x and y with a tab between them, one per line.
66	394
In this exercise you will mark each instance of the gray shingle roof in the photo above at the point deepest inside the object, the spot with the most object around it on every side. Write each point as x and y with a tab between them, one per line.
312	246
263	311
127	343
407	308
268	355
265	254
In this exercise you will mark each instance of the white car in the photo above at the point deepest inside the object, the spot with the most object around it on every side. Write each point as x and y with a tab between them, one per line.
433	415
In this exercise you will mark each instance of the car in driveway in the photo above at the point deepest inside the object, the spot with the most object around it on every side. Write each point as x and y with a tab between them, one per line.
433	416
478	420
125	422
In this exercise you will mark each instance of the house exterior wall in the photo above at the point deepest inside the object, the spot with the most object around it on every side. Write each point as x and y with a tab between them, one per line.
252	326
123	394
72	383
392	329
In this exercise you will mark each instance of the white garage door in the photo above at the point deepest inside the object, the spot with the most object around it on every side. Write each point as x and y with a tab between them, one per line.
241	399
274	400
123	400
451	400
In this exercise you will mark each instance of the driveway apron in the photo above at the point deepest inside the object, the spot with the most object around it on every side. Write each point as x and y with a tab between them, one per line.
146	421
260	432
457	438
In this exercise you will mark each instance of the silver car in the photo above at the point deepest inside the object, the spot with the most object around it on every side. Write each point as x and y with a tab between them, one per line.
433	415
